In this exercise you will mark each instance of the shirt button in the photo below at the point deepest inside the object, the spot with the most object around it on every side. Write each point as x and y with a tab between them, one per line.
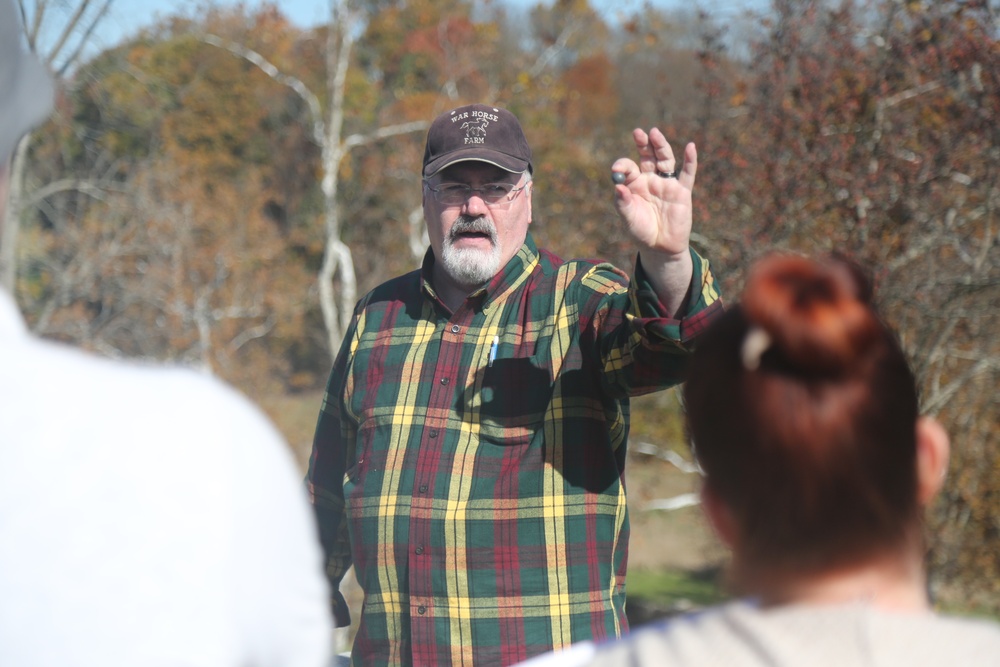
455	328
433	434
423	488
445	381
421	610
419	550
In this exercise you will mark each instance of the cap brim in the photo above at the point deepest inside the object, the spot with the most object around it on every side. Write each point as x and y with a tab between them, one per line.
477	154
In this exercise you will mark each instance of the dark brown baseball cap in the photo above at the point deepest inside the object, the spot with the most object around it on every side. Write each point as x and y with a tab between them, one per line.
476	132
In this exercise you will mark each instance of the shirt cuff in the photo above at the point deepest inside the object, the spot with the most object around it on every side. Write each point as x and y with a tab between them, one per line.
704	305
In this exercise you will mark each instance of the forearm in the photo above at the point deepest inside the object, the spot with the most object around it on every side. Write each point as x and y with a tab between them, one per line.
336	558
671	276
333	444
327	498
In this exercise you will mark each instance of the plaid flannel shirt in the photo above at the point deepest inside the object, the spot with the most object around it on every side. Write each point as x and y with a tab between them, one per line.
478	492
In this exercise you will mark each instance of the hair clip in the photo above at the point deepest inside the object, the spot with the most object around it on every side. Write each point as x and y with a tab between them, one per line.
755	343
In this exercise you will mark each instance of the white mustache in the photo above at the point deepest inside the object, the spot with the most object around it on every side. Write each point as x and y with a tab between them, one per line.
478	225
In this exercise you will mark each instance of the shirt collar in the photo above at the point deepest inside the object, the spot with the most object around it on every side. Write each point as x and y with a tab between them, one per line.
512	274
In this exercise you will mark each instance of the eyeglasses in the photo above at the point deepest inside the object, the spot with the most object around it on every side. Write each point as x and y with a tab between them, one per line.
456	194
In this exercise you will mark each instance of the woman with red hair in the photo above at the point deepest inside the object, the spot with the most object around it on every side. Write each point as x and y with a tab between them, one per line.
817	467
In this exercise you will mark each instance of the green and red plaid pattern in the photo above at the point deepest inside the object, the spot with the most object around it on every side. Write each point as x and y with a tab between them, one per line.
482	502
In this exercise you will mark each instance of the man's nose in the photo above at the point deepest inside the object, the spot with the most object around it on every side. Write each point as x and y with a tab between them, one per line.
474	203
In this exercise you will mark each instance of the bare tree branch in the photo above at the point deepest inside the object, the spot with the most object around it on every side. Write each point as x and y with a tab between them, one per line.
270	69
81	43
941	396
384	133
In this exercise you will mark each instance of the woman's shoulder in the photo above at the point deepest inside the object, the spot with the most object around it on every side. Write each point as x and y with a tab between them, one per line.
740	634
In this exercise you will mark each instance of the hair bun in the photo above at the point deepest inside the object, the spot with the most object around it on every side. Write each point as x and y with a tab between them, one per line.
816	314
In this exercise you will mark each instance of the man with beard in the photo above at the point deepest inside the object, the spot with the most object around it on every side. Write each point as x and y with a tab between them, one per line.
469	455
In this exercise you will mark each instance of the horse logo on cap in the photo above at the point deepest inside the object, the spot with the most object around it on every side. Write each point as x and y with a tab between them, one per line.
475	128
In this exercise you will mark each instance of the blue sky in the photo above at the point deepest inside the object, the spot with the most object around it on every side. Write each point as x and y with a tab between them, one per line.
126	16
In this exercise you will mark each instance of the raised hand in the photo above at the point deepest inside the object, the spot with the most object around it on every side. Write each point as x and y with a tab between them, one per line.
654	199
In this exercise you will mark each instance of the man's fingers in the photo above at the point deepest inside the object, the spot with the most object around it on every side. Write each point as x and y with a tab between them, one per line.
624	171
655	153
662	151
641	140
656	156
690	169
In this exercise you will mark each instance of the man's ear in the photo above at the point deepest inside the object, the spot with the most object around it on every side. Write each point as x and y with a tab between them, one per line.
933	448
719	516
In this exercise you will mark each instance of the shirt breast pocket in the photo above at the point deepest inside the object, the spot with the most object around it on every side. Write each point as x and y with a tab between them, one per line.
514	398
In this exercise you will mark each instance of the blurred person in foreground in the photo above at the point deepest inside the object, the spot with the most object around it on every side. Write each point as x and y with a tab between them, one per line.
469	457
147	517
818	469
